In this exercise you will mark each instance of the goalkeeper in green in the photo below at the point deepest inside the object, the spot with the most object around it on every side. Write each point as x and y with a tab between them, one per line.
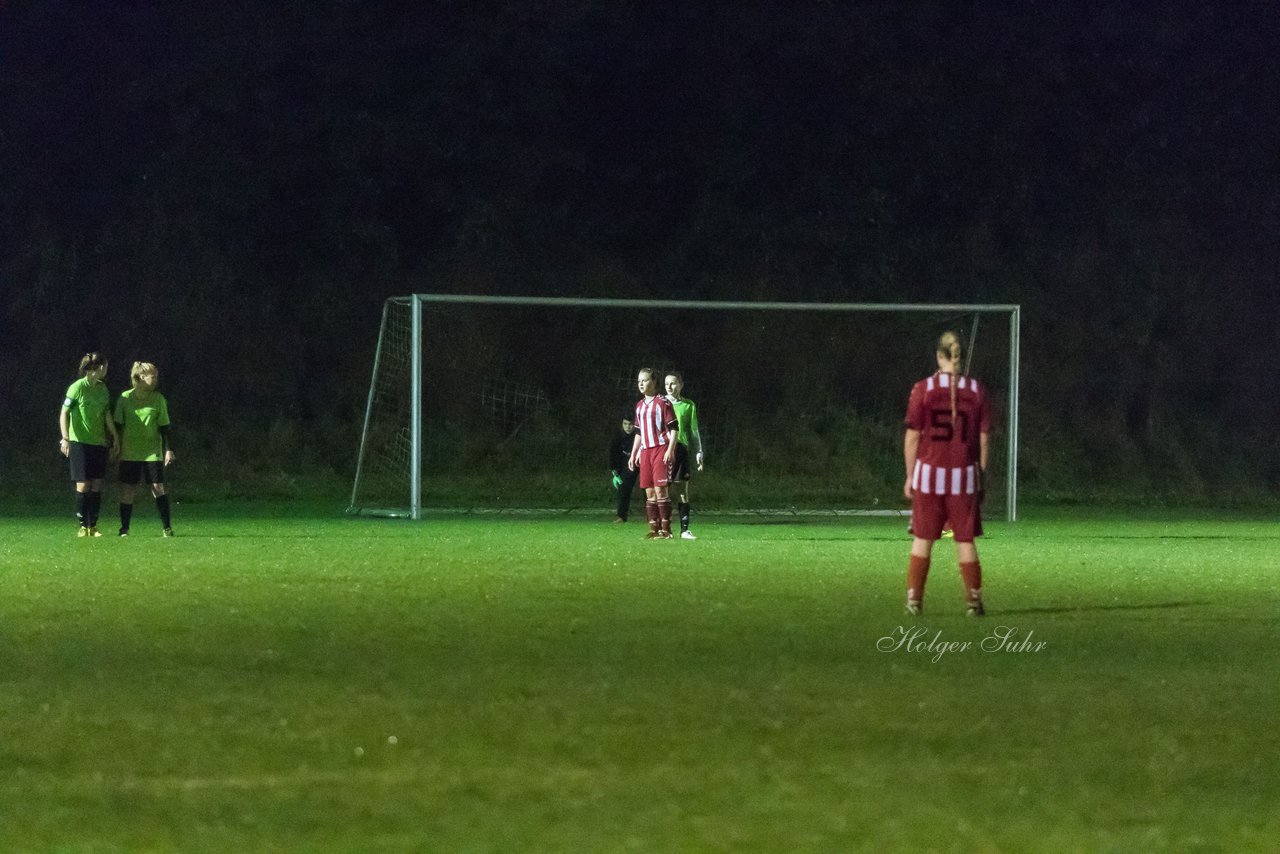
688	437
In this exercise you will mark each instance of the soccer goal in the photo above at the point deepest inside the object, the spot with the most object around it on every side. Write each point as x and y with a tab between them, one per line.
488	403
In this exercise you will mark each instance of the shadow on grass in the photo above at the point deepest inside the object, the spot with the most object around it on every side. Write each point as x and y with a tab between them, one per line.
1087	608
1184	537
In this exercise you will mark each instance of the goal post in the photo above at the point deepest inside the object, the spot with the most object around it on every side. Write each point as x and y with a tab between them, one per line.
494	382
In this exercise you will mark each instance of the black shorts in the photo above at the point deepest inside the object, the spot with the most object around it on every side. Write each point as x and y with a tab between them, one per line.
680	468
148	471
88	462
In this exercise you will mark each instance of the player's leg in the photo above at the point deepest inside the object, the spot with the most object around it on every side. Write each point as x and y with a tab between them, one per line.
965	513
129	475
918	573
682	507
93	506
95	466
662	497
927	516
651	512
661	493
971	575
680	488
127	491
76	463
645	479
154	472
82	507
625	488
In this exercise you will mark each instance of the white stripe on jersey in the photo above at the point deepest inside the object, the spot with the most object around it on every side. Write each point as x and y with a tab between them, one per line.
944	381
929	480
653	433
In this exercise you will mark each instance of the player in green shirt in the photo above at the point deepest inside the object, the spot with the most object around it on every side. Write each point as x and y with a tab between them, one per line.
687	437
84	424
142	416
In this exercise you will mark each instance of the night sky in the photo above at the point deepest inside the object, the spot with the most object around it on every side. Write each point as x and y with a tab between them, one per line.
232	189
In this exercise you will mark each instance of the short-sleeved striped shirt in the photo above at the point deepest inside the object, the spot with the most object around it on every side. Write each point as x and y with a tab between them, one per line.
948	454
654	417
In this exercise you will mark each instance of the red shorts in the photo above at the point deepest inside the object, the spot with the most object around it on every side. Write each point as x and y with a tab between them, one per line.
653	470
931	513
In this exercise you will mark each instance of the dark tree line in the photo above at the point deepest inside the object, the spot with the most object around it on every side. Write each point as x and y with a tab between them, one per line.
231	189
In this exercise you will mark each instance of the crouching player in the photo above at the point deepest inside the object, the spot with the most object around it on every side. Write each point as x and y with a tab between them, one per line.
142	417
653	452
945	451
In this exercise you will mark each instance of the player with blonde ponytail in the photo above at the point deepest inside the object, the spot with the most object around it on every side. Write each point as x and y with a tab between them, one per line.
945	451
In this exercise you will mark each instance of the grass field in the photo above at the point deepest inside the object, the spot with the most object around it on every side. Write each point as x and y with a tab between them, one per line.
558	684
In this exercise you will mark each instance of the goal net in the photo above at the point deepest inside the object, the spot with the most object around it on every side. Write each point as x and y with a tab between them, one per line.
508	403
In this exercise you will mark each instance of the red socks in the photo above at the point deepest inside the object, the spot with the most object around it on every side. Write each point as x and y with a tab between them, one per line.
972	575
917	572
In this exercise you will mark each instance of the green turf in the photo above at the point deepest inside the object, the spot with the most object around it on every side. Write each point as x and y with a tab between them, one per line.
500	684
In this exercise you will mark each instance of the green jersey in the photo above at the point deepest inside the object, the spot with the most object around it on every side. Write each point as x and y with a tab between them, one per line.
687	424
140	422
87	406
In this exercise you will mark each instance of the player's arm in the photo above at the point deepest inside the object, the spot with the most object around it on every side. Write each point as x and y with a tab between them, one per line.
166	444
64	428
695	434
910	448
915	423
673	435
982	464
111	428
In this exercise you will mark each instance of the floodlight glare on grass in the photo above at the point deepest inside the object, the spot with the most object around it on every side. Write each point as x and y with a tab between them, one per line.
506	402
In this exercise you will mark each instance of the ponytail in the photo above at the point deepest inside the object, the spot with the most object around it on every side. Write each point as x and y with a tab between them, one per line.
949	348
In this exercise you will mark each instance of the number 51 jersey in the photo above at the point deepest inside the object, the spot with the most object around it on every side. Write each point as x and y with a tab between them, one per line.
946	442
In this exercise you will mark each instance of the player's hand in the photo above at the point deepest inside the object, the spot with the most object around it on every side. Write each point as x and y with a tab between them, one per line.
617	480
906	489
699	460
168	458
670	456
631	464
64	447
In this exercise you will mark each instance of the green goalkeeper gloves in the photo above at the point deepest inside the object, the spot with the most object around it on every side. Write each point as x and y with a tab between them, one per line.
617	480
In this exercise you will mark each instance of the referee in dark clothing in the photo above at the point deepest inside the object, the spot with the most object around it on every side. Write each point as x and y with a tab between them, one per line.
623	477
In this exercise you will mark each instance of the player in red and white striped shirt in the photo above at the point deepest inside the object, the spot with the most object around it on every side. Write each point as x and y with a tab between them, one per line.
653	452
945	451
